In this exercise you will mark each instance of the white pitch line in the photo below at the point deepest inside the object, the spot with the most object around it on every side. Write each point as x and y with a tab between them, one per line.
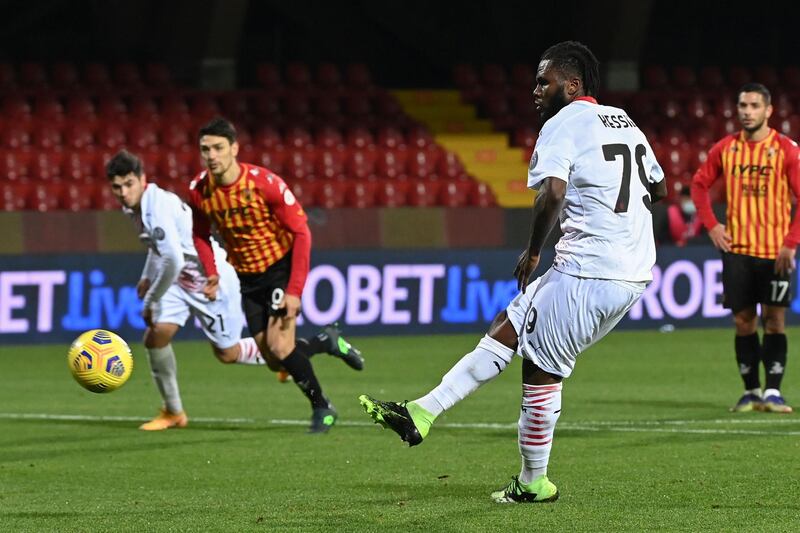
625	426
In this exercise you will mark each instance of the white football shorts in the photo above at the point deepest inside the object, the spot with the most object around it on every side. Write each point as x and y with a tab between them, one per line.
559	316
221	320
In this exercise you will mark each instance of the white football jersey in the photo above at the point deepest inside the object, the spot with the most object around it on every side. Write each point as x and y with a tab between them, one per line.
165	227
608	165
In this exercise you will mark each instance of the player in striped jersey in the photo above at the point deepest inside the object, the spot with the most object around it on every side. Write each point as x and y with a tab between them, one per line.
761	172
266	235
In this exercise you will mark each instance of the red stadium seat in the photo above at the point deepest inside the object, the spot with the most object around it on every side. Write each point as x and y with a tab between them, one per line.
14	196
768	75
47	136
481	195
297	138
710	78
305	192
297	106
273	159
391	164
465	76
791	77
677	160
697	107
142	137
32	75
76	196
267	138
79	135
386	105
391	193
330	194
111	136
8	76
298	75
157	75
46	165
268	75
420	138
14	165
683	77
782	106
523	76
790	126
673	136
44	196
525	137
391	138
357	105
96	76
16	107
127	75
177	166
175	136
449	167
738	76
103	199
79	166
265	106
205	106
234	106
361	164
493	76
80	108
48	108
328	75
328	137
422	164
330	164
299	165
454	193
144	108
15	136
671	108
655	77
360	194
359	138
423	193
111	107
358	76
327	106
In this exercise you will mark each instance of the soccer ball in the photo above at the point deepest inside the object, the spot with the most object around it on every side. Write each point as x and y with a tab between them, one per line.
100	361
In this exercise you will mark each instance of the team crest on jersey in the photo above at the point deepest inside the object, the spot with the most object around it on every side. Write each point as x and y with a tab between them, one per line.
158	233
770	153
247	195
534	160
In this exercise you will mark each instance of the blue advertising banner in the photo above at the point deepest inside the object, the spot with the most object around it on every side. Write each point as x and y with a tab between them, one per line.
54	298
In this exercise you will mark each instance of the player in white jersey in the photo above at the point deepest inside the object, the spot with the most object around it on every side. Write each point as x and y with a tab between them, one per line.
171	285
594	168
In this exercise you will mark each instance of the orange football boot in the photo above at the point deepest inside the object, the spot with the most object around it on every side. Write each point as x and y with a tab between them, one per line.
166	420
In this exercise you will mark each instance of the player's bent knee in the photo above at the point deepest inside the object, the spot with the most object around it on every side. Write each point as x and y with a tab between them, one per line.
226	355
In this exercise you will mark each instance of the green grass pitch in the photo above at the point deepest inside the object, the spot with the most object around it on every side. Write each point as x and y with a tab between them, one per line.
645	443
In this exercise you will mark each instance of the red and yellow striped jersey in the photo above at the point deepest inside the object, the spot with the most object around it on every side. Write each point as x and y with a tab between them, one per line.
259	220
758	179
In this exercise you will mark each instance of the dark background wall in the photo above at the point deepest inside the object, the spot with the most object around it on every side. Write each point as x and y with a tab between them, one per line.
405	43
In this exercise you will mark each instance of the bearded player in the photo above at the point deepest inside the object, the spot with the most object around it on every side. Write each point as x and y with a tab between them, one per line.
593	167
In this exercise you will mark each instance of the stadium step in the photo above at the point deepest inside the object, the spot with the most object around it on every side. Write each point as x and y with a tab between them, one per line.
485	154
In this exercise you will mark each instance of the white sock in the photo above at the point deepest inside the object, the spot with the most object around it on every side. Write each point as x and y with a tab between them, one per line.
249	354
164	369
483	364
757	392
770	392
541	407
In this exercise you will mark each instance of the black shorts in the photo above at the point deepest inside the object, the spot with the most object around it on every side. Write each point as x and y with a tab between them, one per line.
748	281
262	292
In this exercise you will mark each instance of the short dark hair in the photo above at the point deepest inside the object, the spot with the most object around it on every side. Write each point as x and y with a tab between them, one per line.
755	88
575	58
219	127
122	164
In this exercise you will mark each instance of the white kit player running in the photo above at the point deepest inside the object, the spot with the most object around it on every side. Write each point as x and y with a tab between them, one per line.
594	168
171	285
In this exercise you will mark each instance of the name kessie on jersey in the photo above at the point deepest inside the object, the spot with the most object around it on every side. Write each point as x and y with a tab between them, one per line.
617	121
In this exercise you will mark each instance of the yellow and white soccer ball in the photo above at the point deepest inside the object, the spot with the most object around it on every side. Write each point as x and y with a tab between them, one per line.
100	360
